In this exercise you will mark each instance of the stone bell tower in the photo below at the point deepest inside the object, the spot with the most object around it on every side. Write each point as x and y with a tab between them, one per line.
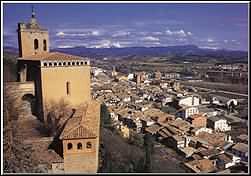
32	39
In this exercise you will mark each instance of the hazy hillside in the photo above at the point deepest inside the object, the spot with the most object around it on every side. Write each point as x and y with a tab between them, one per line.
185	52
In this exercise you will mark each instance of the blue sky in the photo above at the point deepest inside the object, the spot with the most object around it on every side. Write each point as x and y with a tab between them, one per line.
124	25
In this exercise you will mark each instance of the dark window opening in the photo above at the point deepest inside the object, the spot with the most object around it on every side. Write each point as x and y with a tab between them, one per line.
68	88
45	45
36	44
89	145
69	146
79	146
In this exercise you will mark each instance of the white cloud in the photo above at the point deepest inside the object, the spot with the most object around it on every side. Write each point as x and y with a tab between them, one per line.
157	33
78	33
209	47
116	44
225	41
121	34
150	38
95	33
179	33
66	46
155	43
60	34
142	33
210	40
106	44
189	33
181	39
168	32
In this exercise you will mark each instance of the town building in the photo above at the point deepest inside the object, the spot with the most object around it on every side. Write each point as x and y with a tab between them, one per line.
187	111
189	101
218	124
198	120
241	150
158	75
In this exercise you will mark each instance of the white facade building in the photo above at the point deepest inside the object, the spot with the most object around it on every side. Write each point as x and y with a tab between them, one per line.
186	112
218	124
189	101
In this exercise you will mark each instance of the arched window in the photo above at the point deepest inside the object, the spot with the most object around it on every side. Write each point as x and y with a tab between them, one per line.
88	145
36	44
45	45
69	146
79	146
68	88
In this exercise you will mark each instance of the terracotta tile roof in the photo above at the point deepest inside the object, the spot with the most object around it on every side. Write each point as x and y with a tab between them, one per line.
241	147
194	116
153	128
84	123
79	132
214	139
205	165
52	56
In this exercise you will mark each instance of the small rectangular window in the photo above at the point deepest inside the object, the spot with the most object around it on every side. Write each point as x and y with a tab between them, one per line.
68	88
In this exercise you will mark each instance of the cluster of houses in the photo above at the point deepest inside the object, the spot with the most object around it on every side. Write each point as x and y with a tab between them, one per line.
192	124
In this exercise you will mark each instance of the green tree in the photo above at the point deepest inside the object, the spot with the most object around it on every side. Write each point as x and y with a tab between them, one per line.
105	116
148	144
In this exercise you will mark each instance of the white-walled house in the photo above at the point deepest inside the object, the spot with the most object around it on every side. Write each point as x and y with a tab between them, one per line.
127	99
218	124
114	116
189	101
187	111
130	76
139	125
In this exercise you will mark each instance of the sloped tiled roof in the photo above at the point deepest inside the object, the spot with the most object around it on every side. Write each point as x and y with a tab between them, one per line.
84	123
52	56
79	132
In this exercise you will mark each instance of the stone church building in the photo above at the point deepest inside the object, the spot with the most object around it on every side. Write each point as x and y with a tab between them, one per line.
61	77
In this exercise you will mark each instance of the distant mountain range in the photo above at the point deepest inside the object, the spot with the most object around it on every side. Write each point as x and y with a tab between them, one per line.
185	51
